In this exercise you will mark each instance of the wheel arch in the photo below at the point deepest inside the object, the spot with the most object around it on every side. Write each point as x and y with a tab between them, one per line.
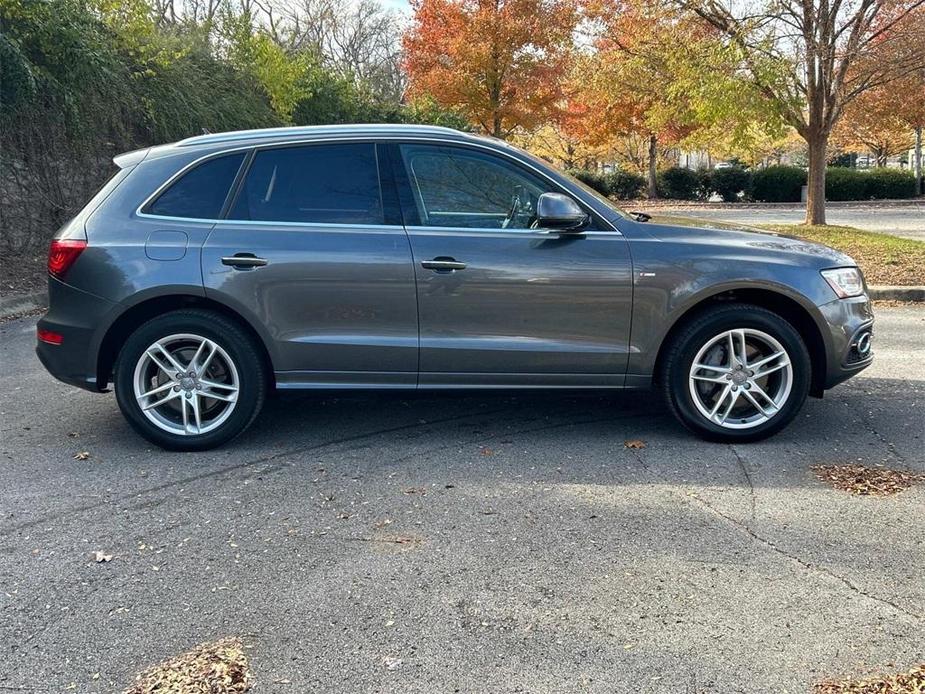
787	307
141	312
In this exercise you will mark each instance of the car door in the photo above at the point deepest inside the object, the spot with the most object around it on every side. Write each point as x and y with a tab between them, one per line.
501	302
311	251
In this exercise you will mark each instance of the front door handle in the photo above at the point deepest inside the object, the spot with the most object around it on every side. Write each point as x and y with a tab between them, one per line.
443	264
244	261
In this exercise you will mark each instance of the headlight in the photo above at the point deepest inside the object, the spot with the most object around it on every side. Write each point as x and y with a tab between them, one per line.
845	281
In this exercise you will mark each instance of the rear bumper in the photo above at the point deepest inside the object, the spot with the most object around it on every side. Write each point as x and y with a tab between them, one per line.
850	324
79	318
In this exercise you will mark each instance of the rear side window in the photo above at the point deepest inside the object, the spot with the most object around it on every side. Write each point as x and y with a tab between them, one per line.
199	193
325	184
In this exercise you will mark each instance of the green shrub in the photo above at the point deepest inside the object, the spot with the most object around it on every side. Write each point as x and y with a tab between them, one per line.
778	184
592	179
679	183
728	183
625	185
845	184
890	183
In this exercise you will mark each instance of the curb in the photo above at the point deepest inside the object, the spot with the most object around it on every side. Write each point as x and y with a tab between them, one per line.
893	293
20	303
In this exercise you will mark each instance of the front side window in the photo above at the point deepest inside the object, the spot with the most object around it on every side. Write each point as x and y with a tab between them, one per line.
325	184
199	193
458	187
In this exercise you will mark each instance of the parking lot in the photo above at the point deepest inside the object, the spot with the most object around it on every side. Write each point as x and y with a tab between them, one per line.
470	543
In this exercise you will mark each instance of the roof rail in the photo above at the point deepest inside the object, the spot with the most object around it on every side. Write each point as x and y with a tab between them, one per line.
308	130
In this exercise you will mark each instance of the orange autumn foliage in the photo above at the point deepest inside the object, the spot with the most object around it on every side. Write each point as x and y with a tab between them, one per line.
500	62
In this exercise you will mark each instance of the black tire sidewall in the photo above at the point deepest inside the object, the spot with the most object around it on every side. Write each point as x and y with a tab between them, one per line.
238	345
708	326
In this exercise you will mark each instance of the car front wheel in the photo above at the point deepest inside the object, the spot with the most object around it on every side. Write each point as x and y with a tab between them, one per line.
190	380
737	373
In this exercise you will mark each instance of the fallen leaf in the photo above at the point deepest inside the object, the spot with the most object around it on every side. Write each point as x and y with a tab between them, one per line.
910	682
634	444
865	481
82	455
217	668
486	451
100	557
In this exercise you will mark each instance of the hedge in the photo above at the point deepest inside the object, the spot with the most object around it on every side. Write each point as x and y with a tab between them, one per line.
623	185
728	183
679	183
778	184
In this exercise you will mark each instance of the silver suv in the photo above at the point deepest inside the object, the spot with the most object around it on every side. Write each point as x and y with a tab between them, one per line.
208	272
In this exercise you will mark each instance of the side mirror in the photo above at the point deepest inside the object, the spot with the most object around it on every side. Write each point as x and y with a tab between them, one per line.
559	212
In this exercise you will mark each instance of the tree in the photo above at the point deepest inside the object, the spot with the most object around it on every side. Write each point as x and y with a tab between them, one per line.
873	122
500	62
811	58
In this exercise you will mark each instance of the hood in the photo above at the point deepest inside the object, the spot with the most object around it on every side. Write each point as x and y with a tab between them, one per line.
742	238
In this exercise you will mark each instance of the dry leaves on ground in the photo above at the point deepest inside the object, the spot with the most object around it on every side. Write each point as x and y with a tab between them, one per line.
82	455
911	682
866	481
209	668
635	444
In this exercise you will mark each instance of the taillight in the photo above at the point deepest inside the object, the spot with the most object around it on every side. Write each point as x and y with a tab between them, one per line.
62	253
49	336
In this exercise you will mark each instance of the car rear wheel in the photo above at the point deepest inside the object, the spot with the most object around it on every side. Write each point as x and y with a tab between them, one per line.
736	373
190	380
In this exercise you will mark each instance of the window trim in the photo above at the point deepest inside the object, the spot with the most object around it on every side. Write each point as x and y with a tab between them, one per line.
162	190
384	140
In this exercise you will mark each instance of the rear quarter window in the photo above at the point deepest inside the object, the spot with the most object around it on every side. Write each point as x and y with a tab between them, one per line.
200	193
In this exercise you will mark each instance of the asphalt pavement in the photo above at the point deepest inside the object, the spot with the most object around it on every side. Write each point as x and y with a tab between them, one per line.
463	543
906	221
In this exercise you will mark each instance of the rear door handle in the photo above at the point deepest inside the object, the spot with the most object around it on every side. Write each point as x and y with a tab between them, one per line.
244	261
443	264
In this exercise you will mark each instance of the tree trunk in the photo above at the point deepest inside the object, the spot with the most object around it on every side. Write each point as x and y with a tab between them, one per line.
917	160
815	181
653	152
496	125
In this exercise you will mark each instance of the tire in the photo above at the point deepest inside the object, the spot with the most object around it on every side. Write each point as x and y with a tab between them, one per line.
716	338
227	394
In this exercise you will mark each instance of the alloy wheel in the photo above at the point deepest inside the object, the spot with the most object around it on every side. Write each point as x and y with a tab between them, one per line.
741	378
186	384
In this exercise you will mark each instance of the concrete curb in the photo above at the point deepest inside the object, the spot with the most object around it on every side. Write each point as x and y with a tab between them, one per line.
888	292
12	304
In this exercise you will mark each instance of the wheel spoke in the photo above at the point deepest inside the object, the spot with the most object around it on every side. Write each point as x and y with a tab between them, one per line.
173	362
758	406
167	398
732	401
195	359
215	384
776	367
709	379
722	396
194	406
761	362
742	356
156	360
231	397
208	360
159	389
758	389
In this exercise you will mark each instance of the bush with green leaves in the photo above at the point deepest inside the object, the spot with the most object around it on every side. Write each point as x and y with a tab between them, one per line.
592	179
679	183
625	185
729	183
845	184
883	184
778	184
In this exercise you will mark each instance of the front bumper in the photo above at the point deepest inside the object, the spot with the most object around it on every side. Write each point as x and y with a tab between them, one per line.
80	318
849	326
